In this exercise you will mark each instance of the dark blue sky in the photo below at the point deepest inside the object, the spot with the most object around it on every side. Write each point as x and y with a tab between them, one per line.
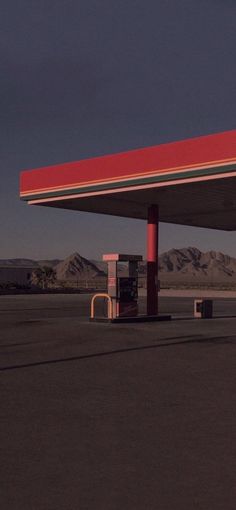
81	78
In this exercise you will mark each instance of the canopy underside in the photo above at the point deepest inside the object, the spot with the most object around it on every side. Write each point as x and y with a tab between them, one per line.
209	204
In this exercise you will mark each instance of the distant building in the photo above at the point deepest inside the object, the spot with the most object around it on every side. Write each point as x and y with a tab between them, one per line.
14	276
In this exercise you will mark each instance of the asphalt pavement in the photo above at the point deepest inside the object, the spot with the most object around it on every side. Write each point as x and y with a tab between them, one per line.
115	416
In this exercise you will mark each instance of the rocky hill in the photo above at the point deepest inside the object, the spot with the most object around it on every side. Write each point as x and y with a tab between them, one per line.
77	267
18	263
28	263
192	262
48	263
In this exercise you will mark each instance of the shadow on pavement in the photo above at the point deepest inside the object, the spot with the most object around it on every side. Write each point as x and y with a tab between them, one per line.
167	343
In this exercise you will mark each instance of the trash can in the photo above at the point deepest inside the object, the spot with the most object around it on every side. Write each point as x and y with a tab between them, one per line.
203	308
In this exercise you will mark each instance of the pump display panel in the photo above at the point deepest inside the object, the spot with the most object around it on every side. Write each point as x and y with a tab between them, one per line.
127	289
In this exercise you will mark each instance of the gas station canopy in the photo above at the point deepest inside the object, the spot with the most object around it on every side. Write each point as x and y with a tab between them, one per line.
192	181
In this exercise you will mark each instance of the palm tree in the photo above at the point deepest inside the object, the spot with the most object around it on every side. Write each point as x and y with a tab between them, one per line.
44	277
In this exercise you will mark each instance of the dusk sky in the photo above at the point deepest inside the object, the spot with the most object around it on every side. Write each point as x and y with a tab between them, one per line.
82	78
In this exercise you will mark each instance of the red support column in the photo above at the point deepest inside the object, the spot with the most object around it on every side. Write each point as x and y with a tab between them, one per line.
152	260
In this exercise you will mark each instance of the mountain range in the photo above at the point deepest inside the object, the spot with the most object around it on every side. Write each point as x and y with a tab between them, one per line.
191	261
182	264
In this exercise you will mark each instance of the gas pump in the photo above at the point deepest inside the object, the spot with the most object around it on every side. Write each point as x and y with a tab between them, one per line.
123	290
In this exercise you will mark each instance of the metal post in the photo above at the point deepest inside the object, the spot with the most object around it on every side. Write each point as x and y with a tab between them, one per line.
152	260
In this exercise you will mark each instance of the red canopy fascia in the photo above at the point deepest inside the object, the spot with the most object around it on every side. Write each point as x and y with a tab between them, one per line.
202	156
